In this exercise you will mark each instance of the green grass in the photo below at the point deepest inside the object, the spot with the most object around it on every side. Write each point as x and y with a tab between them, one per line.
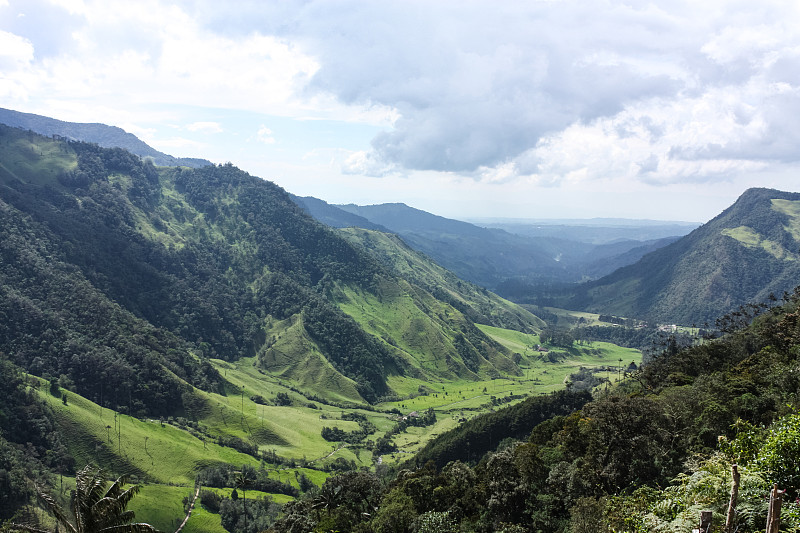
752	239
462	399
396	315
161	506
162	454
792	210
173	456
422	271
575	317
34	159
292	356
298	427
421	331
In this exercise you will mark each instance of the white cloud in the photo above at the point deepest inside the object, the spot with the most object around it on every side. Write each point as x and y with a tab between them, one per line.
14	50
264	135
366	164
150	52
205	127
658	142
16	54
553	93
78	7
559	92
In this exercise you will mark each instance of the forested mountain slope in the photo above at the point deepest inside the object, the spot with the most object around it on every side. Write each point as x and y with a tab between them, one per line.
476	303
743	255
113	267
103	135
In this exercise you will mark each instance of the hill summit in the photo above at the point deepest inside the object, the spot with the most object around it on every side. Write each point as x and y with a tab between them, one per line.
748	252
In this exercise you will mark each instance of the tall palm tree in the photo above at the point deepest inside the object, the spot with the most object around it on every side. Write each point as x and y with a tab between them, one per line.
329	498
242	482
93	507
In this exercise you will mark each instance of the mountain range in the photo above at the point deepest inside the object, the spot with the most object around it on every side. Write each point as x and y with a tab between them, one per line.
214	263
745	255
643	269
215	321
498	259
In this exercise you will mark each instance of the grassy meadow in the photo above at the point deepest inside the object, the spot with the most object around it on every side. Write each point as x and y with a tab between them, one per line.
453	401
166	457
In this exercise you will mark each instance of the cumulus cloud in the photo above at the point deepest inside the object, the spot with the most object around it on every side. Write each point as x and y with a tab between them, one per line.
158	53
658	91
661	92
366	164
16	53
15	49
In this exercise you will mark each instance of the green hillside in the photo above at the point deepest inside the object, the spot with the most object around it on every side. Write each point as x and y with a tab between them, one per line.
742	256
213	263
197	317
478	304
245	425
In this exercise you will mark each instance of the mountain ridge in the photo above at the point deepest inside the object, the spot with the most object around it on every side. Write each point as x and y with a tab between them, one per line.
496	258
740	256
101	134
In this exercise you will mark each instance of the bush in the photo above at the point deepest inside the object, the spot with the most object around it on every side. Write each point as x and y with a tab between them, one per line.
778	456
210	500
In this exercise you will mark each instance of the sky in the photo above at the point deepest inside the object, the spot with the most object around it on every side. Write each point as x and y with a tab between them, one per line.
664	110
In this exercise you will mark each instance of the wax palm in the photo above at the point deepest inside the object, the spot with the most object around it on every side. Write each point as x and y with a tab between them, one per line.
329	498
242	482
94	508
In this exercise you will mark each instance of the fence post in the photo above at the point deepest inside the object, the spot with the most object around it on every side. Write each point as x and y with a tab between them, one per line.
705	521
774	512
734	496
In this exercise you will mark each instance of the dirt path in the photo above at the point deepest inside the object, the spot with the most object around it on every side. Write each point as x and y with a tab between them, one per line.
191	508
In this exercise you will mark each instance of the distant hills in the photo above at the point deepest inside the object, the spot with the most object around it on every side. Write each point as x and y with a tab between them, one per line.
593	230
743	255
101	134
502	260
